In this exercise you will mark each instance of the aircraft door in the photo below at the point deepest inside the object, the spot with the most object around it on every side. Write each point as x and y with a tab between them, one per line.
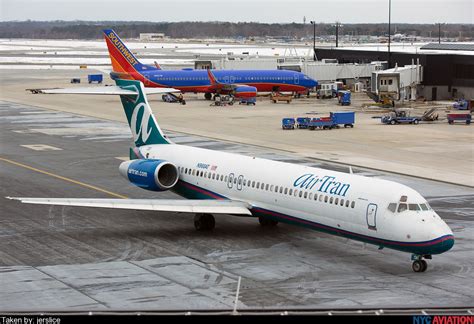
240	180
297	79
230	181
372	216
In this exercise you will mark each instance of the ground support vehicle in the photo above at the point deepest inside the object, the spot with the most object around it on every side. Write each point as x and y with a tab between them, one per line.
303	122
169	97
277	96
466	118
95	78
248	101
344	98
288	123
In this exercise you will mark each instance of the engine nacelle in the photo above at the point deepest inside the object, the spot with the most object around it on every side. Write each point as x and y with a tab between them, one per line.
245	92
154	175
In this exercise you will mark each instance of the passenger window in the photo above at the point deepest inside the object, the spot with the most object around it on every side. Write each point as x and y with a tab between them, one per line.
205	174
330	200
202	172
253	184
353	204
392	207
222	177
413	207
423	207
310	196
209	175
281	189
271	188
306	194
336	201
296	192
245	182
326	199
186	170
194	172
320	198
266	187
347	203
225	179
402	207
286	191
213	176
342	202
258	185
301	194
290	192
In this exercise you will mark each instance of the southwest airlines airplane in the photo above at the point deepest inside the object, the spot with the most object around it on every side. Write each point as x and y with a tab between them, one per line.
380	212
239	83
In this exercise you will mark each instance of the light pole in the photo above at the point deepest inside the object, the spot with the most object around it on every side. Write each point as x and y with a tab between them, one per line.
439	33
314	39
338	24
389	32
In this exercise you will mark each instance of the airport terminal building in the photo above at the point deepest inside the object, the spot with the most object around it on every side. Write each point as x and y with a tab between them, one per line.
448	70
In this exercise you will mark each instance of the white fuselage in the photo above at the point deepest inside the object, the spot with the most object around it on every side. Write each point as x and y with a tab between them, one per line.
339	203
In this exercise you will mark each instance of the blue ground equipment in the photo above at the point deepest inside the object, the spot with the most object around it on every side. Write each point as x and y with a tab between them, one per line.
346	118
95	78
288	123
344	97
248	101
303	122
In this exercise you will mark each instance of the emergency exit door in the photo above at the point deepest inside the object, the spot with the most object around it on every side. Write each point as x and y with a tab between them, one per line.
372	216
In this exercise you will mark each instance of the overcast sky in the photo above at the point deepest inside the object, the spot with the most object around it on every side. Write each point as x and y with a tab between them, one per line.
355	11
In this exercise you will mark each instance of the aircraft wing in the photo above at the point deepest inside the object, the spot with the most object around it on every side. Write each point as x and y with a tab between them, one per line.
170	205
106	90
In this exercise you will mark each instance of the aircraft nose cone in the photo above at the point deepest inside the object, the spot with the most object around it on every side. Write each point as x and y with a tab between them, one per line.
447	244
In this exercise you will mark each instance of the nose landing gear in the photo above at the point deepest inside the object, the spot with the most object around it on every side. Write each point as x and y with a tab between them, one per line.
419	265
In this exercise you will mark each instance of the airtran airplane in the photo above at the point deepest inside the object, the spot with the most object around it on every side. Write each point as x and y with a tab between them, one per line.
239	83
384	213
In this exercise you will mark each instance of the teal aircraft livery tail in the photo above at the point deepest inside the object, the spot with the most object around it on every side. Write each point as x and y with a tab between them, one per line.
145	129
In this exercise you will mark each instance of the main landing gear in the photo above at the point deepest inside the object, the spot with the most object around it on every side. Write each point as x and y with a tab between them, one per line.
204	222
419	265
208	96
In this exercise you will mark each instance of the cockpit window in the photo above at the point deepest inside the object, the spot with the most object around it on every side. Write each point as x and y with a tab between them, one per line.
423	207
392	207
413	207
403	198
402	207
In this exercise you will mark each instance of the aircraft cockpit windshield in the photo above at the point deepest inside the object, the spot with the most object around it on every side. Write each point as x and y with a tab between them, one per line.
404	205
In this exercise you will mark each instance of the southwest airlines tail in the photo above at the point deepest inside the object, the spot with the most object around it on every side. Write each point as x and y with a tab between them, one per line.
122	58
145	129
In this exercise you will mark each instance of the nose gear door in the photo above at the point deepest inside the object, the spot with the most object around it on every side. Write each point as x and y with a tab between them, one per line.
372	216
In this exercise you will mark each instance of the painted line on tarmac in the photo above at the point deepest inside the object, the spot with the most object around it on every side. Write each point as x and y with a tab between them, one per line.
113	194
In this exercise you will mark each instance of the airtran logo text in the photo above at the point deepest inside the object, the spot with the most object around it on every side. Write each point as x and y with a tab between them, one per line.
325	184
126	53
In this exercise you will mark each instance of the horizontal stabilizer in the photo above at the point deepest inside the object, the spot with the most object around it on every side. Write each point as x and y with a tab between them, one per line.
107	90
170	205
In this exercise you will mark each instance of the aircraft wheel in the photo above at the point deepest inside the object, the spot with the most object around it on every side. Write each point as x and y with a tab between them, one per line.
267	222
204	222
208	96
419	265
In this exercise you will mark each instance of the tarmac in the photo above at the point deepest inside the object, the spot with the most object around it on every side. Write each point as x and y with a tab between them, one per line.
70	258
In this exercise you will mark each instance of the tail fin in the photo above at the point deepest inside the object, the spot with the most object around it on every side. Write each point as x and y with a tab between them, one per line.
144	127
122	58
